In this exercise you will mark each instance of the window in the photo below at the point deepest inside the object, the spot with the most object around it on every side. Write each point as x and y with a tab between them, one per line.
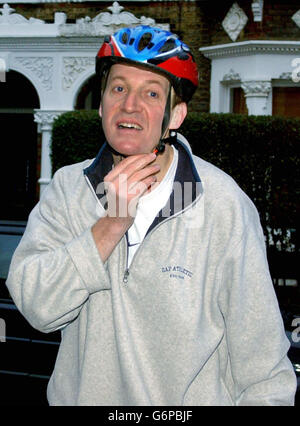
286	101
239	101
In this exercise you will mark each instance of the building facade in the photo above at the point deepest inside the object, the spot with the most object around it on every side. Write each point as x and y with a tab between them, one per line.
248	53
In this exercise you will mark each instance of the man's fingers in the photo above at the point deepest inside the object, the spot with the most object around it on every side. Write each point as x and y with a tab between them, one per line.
148	173
123	185
130	165
137	190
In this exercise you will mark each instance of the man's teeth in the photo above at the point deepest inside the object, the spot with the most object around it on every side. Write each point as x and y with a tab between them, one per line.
129	126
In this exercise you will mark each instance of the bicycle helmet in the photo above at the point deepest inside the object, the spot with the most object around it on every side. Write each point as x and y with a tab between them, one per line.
157	50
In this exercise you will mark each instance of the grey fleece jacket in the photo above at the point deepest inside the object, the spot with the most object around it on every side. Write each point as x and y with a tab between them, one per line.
195	322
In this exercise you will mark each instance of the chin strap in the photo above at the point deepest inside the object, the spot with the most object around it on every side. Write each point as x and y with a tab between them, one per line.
165	124
162	143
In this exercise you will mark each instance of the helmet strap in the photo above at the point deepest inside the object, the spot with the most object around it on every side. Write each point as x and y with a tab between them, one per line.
170	140
160	148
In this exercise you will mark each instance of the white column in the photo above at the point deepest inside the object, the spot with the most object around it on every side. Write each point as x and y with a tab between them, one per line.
45	121
256	94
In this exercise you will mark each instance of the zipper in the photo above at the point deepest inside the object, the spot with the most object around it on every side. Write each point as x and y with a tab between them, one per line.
127	270
126	273
125	276
93	191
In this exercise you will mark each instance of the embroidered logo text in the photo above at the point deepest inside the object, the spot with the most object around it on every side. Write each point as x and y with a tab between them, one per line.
177	272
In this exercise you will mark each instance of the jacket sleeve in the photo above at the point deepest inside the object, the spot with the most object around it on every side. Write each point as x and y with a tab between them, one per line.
53	271
261	372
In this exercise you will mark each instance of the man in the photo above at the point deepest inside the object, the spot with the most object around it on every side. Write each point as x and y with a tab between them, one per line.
150	260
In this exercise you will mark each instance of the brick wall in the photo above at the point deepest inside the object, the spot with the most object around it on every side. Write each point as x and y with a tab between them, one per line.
277	23
198	24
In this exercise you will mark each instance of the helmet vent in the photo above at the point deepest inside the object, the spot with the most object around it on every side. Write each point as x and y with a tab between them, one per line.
124	38
145	41
169	45
183	56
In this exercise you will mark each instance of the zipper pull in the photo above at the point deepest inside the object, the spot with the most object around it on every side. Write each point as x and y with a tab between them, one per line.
125	278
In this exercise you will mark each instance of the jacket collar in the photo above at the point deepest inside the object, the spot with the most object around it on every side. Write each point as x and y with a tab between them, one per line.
187	183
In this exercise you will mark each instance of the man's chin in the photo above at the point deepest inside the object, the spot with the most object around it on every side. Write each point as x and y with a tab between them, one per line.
127	150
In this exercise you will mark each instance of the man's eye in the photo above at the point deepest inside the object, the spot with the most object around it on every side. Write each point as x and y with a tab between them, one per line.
119	89
153	94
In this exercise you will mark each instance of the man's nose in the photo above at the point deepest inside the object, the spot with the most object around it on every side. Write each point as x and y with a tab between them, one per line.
131	102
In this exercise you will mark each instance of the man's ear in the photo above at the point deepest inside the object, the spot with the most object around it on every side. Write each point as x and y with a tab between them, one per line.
178	115
100	110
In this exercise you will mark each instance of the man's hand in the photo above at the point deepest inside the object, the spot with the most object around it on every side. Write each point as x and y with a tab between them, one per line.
124	185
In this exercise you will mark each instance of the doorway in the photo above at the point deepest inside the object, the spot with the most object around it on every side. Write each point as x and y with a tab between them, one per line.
238	101
18	160
89	95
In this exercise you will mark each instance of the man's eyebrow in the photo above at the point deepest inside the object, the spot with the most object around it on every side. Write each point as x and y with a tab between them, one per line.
117	77
159	83
147	81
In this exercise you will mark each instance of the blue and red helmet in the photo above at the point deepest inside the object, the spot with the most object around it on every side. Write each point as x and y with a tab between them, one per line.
153	48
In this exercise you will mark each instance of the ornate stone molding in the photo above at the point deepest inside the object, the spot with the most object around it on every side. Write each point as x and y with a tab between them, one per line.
257	88
257	9
73	67
294	75
285	76
296	18
9	18
251	47
234	21
256	94
41	67
117	17
45	118
231	76
13	25
296	71
104	23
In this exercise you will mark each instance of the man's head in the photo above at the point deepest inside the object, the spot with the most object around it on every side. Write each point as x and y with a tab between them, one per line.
132	109
144	60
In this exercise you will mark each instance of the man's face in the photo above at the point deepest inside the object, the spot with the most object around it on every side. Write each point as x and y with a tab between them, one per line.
132	109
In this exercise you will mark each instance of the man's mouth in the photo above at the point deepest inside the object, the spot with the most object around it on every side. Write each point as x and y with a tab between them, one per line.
125	125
